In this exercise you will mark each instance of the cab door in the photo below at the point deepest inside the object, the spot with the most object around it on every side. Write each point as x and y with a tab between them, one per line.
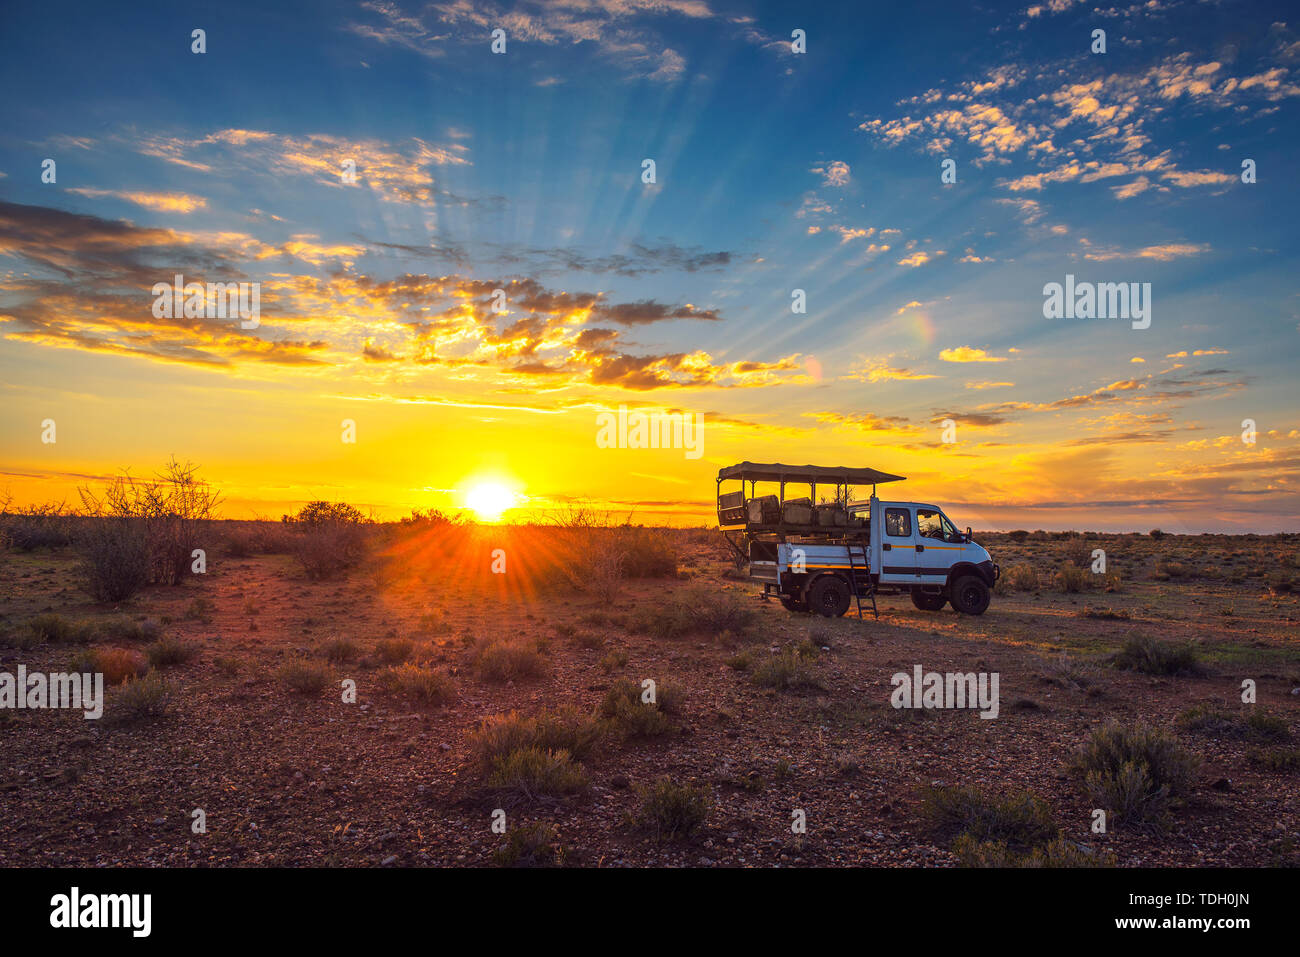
898	543
936	547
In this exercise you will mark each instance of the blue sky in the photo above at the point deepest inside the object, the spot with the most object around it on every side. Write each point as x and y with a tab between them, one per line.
775	171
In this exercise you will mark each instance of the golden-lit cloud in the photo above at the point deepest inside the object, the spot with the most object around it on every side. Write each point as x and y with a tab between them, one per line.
967	354
159	202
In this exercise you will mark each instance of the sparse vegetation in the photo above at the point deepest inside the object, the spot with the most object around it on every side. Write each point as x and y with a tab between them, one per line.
116	664
1154	657
564	730
59	630
167	652
507	661
669	810
420	683
1019	819
1138	775
532	845
627	715
303	676
789	670
1249	722
341	651
393	651
531	773
140	700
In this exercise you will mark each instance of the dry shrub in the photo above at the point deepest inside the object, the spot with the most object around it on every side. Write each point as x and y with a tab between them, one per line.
419	682
1072	578
1022	576
35	526
1078	553
118	664
144	530
330	538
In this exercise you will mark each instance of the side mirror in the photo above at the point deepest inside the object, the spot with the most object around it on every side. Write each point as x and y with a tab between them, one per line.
968	533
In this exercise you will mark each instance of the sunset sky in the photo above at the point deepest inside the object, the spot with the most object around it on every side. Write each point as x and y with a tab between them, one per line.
775	171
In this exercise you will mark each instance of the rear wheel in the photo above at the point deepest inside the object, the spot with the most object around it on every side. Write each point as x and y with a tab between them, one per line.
829	596
927	602
969	595
794	604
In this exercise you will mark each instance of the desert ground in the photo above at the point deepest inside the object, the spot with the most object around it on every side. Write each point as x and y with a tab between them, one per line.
512	696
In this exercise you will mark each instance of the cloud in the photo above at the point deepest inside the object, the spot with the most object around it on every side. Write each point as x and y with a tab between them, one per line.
648	311
414	320
919	258
160	202
1165	252
835	173
1079	131
967	354
879	370
395	172
619	31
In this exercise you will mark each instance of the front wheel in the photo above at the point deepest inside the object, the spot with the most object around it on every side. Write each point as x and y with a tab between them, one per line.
829	596
927	602
969	595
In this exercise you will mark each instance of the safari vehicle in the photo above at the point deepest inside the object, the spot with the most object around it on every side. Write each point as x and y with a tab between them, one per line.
822	557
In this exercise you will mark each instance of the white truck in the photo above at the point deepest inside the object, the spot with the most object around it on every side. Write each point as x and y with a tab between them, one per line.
821	558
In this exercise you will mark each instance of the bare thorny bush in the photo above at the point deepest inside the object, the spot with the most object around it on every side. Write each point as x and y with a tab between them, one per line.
144	530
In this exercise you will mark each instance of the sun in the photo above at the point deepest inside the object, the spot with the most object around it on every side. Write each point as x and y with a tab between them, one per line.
489	501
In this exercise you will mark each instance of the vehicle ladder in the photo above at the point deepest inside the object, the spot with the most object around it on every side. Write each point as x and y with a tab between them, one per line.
853	577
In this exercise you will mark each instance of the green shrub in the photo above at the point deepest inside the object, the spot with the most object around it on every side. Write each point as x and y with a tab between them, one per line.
532	845
1137	774
1153	657
59	630
141	699
788	670
1282	760
671	810
1019	819
1248	723
627	715
1057	853
530	773
166	652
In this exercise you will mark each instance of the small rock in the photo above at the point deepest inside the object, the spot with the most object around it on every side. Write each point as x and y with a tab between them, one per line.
620	782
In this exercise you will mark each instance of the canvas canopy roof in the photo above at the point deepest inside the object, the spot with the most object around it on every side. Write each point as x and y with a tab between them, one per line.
776	472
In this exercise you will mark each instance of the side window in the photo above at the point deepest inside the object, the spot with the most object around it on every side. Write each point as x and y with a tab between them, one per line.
928	524
898	523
